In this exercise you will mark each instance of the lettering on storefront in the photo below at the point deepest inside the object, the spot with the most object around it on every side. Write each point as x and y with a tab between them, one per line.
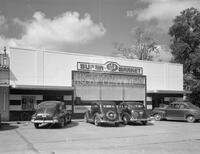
4	69
88	78
109	67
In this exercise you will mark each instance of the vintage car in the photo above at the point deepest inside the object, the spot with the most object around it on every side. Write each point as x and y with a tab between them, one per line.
177	111
133	112
0	119
103	112
51	112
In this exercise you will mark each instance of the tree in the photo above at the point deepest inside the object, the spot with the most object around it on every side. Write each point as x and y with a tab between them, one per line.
185	45
144	47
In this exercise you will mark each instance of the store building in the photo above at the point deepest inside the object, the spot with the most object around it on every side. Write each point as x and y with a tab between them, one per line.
29	76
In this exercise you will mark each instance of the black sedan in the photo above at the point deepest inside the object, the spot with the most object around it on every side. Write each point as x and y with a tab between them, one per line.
51	112
177	111
133	112
103	112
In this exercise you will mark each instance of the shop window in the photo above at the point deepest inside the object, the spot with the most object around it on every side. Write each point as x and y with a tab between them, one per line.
28	103
15	102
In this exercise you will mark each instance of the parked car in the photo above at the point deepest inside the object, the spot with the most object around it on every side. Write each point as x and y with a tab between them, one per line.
177	111
103	112
0	119
133	112
51	112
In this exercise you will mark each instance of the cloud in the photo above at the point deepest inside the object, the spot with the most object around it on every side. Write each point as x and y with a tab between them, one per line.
68	28
164	11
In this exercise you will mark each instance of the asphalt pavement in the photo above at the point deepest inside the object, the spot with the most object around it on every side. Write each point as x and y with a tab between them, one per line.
160	137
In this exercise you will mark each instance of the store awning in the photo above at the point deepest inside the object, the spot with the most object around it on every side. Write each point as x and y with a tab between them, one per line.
39	87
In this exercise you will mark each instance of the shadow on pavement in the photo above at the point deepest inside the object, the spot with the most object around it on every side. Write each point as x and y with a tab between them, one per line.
6	126
181	121
68	125
139	124
111	125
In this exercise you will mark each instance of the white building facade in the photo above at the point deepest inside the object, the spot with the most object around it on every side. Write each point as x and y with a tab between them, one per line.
35	75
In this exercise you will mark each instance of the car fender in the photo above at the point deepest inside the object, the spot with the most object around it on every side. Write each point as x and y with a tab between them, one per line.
162	113
126	114
96	114
188	114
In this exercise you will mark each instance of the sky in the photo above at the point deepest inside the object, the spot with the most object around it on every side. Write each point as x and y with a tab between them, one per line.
87	26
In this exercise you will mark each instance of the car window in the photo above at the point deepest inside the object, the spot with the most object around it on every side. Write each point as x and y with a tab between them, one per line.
182	106
174	106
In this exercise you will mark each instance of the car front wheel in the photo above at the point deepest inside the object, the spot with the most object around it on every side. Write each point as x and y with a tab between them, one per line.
36	125
190	118
125	120
96	121
85	117
62	123
157	117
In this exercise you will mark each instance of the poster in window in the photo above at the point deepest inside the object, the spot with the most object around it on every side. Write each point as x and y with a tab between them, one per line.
28	103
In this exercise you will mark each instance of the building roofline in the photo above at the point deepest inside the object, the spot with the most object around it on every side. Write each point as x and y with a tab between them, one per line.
91	55
40	87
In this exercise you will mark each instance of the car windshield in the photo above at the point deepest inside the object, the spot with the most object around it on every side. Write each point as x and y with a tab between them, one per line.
109	106
136	106
47	110
192	105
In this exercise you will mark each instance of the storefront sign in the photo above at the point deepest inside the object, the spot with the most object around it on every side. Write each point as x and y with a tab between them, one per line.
81	108
106	79
109	67
4	69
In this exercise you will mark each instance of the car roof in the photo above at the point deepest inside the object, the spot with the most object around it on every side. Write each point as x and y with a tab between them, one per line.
50	103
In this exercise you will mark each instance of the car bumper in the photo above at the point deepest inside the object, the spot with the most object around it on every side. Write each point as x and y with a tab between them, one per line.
139	120
110	122
45	121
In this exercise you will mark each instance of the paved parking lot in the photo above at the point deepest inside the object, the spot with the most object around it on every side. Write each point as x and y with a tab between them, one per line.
164	137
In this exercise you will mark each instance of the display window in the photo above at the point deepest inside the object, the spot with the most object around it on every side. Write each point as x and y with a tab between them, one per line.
28	103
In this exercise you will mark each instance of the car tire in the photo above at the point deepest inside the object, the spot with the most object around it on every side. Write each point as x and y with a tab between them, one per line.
190	119
62	123
96	121
85	117
125	120
36	125
157	117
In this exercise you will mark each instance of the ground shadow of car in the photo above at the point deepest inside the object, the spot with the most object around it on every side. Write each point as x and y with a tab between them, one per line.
69	125
7	126
180	121
140	124
112	125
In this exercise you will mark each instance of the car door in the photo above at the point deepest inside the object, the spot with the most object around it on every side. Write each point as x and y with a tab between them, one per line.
183	111
173	112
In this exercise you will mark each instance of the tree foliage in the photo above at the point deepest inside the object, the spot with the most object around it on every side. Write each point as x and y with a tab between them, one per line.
185	45
143	48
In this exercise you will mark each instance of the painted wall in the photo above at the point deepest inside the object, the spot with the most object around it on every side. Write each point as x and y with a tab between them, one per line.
53	68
